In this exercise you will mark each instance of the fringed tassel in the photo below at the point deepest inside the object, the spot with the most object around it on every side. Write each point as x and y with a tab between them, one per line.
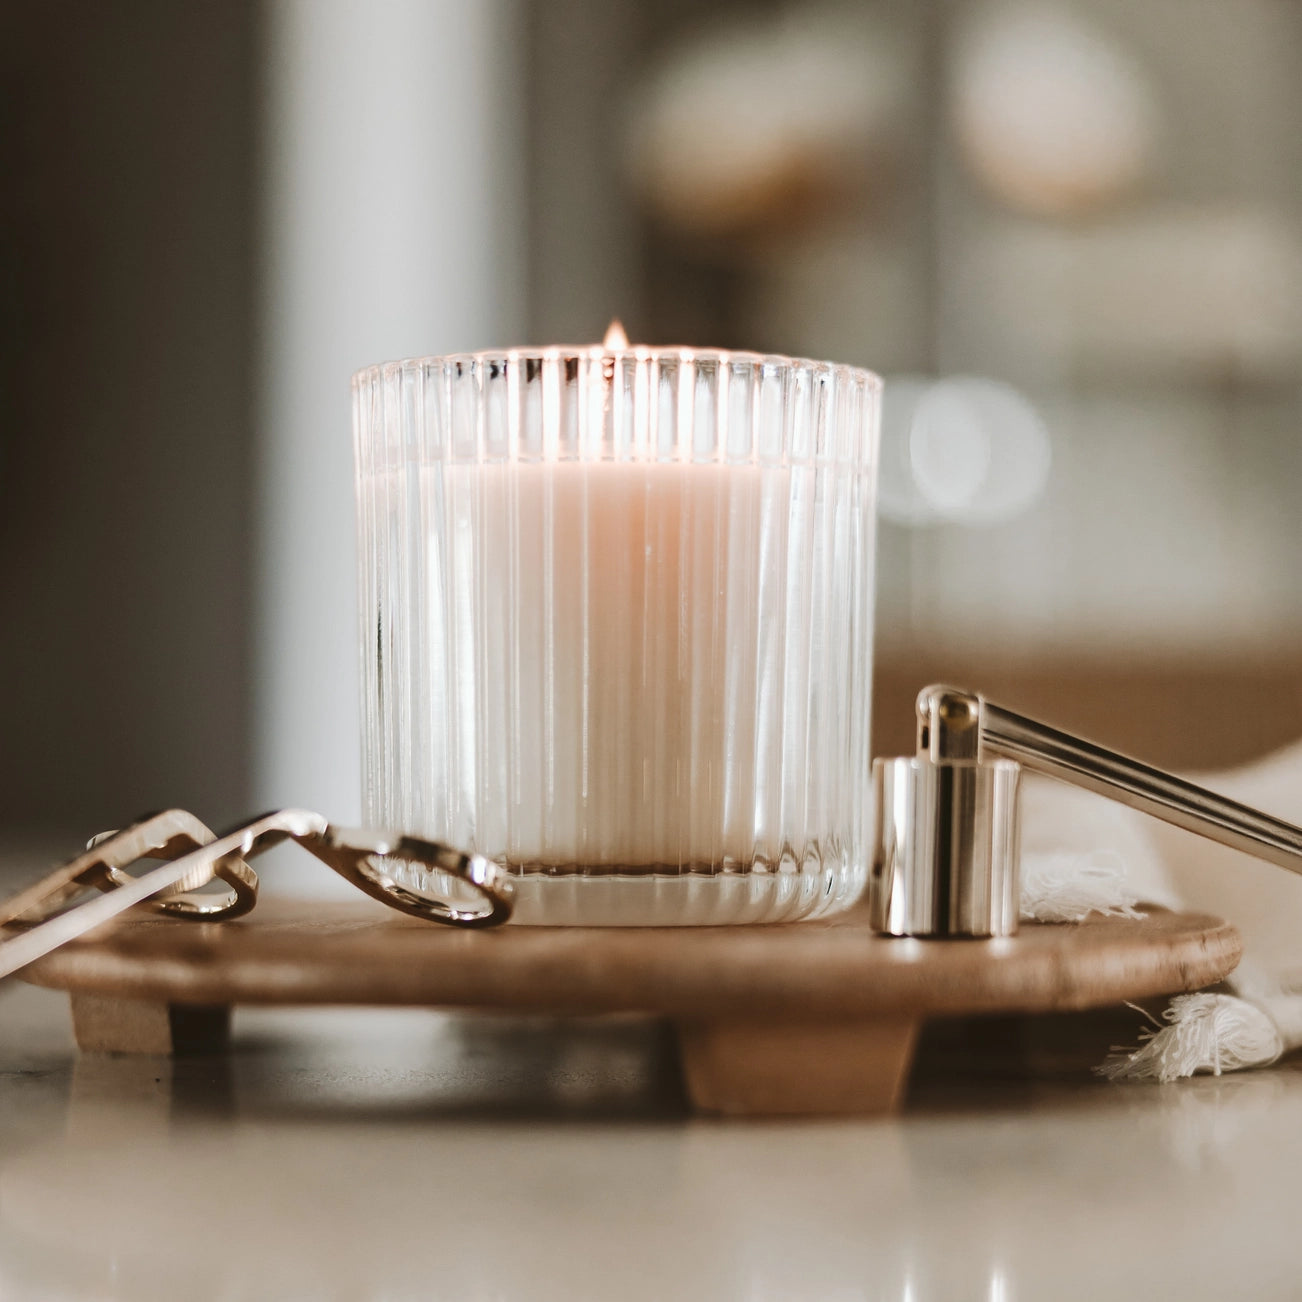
1068	887
1206	1033
1202	1032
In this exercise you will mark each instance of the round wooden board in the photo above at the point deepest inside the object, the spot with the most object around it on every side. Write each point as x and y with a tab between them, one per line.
300	952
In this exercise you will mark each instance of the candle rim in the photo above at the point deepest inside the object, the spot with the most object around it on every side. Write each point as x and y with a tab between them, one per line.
636	352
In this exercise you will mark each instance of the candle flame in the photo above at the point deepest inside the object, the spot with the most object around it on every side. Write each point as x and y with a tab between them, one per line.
615	337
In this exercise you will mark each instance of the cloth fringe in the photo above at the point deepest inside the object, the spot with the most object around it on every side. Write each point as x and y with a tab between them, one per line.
1205	1033
1068	887
1082	856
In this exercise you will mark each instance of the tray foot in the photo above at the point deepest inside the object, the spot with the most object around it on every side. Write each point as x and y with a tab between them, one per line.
105	1024
797	1069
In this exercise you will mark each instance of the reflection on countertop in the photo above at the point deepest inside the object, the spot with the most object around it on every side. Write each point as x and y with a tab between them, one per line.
365	1154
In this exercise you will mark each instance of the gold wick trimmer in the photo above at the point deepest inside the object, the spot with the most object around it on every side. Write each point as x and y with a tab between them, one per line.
946	825
468	890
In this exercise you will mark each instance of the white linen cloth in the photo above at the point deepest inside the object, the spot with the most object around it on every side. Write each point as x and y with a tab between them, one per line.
1076	844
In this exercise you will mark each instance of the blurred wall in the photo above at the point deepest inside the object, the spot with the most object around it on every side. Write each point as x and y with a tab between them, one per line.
583	228
127	173
212	214
393	228
1091	207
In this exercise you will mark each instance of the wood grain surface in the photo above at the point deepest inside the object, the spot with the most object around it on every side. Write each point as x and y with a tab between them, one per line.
292	952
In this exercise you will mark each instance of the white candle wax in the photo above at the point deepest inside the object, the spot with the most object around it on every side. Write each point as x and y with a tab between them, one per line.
611	690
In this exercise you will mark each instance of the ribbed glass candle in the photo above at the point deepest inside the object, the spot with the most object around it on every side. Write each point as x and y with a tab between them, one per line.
616	613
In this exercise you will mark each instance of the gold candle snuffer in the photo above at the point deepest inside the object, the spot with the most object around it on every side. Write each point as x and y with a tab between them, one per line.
946	854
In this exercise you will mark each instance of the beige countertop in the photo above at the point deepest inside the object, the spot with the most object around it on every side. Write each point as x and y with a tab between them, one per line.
339	1154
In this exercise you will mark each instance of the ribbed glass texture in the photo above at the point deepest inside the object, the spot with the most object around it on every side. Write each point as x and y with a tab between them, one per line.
616	615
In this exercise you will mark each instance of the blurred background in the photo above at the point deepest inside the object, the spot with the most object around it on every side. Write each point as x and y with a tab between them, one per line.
1068	235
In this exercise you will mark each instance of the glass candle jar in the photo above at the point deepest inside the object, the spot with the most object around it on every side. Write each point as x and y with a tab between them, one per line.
616	625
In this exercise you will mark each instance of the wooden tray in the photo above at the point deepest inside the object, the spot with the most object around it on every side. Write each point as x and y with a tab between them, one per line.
812	1017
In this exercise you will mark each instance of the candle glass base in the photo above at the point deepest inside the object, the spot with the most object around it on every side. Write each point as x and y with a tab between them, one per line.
788	892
